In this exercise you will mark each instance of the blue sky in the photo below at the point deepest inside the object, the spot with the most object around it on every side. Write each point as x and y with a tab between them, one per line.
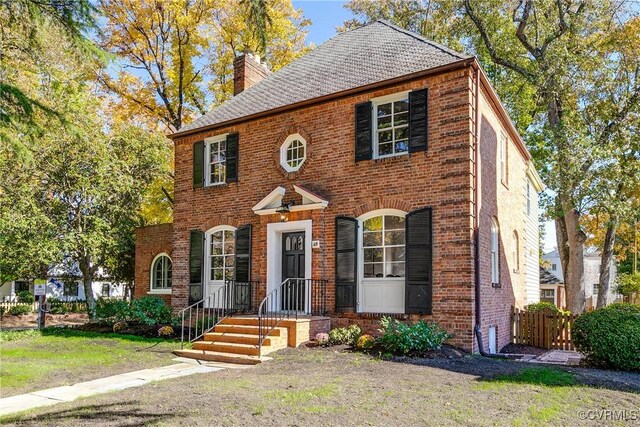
325	16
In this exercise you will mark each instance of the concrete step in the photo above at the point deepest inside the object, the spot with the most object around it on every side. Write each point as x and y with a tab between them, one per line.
239	320
236	338
245	329
226	347
213	356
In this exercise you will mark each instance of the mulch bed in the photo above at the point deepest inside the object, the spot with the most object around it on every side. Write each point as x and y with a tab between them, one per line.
138	329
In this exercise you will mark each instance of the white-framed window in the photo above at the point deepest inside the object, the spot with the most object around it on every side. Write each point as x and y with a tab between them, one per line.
548	294
502	156
495	252
293	152
391	125
515	254
215	160
554	267
596	287
161	274
221	250
70	288
106	290
383	244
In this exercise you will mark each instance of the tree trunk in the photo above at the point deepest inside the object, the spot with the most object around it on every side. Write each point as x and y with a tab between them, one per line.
605	265
87	281
571	240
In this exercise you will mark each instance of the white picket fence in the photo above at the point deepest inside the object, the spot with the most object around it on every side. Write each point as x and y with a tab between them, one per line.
9	305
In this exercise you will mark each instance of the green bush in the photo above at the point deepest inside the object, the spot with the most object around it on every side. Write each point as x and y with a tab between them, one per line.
628	284
610	336
20	310
401	338
150	310
348	335
25	296
113	310
544	306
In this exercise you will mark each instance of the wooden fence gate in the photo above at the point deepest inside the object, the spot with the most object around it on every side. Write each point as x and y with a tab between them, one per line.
544	329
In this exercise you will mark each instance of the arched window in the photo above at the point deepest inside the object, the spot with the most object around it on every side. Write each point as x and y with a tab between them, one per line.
383	246
515	254
161	273
495	252
221	245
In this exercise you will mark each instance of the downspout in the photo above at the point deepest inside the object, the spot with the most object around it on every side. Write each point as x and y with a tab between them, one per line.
476	220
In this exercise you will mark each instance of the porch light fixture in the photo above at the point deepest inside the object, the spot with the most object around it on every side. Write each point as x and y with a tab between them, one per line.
283	210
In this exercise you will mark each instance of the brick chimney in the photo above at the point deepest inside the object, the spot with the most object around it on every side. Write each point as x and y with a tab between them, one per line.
247	71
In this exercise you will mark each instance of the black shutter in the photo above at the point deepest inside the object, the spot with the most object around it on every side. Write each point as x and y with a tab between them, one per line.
196	255
418	117
232	157
243	254
363	131
198	164
346	263
419	284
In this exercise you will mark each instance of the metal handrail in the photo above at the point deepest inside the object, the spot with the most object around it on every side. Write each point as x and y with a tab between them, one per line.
202	316
292	297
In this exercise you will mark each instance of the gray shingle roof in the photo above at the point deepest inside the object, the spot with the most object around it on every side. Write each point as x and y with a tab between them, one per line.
376	52
548	278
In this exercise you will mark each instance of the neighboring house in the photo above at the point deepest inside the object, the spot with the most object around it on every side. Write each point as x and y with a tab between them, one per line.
369	162
592	262
65	284
551	288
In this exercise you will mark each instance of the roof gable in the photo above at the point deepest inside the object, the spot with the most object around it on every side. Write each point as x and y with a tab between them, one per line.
374	53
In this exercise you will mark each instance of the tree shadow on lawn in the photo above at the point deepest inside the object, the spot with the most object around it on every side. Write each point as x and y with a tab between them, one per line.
70	332
128	413
497	370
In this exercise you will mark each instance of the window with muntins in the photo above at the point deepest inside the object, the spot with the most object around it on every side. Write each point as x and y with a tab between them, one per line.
70	288
221	252
391	126
106	290
495	253
161	278
293	153
383	241
216	161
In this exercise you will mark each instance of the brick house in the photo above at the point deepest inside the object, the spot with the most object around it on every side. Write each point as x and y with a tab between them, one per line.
368	167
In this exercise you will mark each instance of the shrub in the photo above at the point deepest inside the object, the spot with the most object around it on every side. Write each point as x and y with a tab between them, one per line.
628	283
401	338
322	338
25	296
166	332
348	335
365	341
610	336
119	327
20	310
150	310
112	310
544	306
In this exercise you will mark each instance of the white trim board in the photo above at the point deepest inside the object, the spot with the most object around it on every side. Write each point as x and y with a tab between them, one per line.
274	249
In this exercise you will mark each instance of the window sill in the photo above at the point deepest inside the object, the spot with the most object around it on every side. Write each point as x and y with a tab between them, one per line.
391	158
159	292
220	184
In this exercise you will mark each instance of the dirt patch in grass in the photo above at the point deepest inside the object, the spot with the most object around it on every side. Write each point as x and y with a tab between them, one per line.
31	320
138	329
328	386
35	360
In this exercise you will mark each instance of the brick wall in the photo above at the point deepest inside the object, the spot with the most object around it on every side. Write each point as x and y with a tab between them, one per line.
506	201
441	178
151	241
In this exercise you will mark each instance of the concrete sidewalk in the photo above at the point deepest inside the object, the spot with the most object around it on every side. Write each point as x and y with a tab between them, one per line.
52	396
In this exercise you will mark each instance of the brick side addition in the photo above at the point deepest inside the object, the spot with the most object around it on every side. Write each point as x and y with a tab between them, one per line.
151	241
442	178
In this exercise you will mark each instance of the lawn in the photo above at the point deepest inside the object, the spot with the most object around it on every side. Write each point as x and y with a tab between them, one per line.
327	387
34	360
